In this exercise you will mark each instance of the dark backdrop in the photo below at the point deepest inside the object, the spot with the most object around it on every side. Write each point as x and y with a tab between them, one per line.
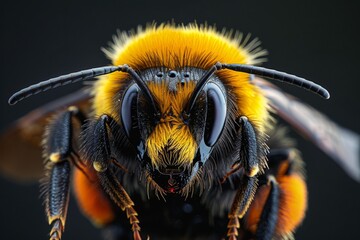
318	40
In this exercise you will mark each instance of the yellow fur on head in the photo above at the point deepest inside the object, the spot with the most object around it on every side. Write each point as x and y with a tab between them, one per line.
171	135
175	47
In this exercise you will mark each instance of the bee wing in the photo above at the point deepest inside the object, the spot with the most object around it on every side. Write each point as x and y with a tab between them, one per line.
20	144
339	143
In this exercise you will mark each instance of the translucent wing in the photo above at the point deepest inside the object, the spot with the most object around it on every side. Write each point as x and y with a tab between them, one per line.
339	143
20	144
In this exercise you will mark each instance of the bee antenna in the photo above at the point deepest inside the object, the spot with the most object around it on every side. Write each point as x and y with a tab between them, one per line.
260	71
199	86
61	81
80	76
279	76
143	87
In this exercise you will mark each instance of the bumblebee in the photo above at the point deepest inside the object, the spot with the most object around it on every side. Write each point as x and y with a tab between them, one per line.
179	134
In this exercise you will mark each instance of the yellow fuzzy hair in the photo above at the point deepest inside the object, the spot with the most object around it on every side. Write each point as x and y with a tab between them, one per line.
171	134
175	47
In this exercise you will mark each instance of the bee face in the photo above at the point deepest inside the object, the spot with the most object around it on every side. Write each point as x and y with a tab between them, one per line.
172	144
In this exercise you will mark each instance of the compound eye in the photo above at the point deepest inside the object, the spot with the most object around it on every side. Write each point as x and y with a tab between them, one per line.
129	112
216	114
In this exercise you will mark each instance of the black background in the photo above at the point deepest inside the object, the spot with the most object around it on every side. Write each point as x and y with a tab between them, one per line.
318	40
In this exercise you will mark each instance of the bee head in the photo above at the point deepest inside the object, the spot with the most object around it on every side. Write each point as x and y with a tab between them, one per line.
175	136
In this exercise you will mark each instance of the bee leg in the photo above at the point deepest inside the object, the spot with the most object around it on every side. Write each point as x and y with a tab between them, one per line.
280	202
99	140
119	195
56	183
248	147
57	197
269	215
241	203
248	158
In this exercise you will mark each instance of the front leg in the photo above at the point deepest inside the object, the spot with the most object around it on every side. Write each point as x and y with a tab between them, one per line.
241	203
58	153
248	162
97	149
